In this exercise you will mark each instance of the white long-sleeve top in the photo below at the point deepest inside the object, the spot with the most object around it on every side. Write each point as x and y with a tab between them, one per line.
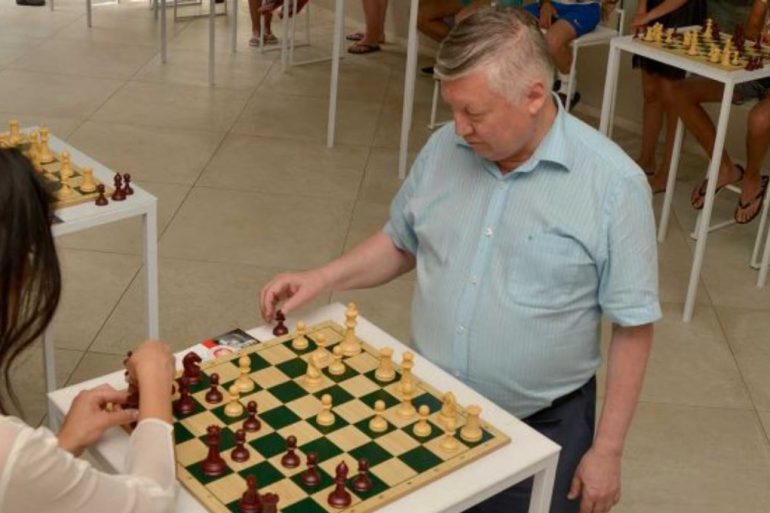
36	475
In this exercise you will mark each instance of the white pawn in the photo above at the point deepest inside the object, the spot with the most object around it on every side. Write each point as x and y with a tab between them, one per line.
325	417
44	154
14	137
407	379
234	408
378	424
65	192
65	171
300	343
471	431
320	356
449	442
385	371
244	382
88	184
337	367
422	428
406	410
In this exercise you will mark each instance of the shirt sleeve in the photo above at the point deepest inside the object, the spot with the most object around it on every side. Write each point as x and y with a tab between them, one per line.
37	475
400	226
628	289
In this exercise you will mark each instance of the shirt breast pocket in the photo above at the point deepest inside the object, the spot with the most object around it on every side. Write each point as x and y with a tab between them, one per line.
548	271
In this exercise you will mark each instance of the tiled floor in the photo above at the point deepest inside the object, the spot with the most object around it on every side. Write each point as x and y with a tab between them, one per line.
247	188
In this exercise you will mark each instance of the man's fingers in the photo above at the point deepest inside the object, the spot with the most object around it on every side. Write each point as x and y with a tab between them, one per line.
575	488
299	298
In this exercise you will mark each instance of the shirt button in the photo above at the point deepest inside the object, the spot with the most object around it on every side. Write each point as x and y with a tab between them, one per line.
474	279
488	232
460	329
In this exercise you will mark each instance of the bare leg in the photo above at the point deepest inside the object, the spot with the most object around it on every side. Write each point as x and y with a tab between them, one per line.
254	6
430	17
687	96
374	12
757	143
652	120
559	37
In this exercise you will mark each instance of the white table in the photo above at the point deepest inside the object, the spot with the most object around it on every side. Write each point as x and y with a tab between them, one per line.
729	79
528	454
88	215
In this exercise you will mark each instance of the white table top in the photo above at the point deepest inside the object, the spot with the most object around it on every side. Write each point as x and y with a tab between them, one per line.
525	455
629	44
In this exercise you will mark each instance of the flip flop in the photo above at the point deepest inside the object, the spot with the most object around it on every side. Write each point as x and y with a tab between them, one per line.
361	48
270	39
701	190
760	197
355	36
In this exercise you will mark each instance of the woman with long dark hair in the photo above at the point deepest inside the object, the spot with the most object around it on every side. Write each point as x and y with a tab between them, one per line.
40	471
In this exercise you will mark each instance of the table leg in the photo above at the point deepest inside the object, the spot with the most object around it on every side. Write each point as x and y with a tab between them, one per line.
409	81
88	13
762	278
284	40
151	270
705	221
542	487
49	363
212	16
339	21
235	25
672	171
163	33
610	84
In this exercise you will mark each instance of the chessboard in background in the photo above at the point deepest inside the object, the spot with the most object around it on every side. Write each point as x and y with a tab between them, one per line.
333	432
709	45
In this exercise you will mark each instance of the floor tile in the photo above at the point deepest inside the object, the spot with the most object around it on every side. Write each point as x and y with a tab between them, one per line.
764	416
250	163
687	460
267	230
368	218
381	182
92	284
127	236
180	106
150	154
36	93
198	300
30	22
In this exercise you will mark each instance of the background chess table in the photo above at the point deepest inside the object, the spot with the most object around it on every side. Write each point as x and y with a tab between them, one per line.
286	403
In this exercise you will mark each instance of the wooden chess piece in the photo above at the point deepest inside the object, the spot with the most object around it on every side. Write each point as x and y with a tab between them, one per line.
127	189
337	367
250	501
101	199
321	355
350	344
407	381
65	191
362	482
44	154
213	465
118	195
340	498
311	477
185	405
290	459
325	417
252	424
471	431
422	428
240	453
270	503
280	328
406	409
448	408
234	408
65	170
300	342
449	442
88	184
14	135
192	370
386	371
378	424
244	383
313	376
214	396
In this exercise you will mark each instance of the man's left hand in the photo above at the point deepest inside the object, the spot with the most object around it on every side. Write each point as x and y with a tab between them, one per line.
597	481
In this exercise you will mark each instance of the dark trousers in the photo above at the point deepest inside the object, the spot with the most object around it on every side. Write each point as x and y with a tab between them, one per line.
570	423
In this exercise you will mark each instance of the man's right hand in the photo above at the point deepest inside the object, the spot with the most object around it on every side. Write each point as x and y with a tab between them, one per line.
293	289
547	14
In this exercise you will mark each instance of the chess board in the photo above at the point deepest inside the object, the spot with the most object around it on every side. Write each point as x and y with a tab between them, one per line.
52	178
400	462
704	46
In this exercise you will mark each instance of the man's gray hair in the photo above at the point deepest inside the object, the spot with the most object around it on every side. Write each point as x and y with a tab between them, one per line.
505	41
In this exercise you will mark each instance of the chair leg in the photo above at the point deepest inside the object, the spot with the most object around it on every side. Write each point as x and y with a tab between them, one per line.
760	232
434	106
571	85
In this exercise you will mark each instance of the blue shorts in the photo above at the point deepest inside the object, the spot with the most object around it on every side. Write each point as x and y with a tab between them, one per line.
583	17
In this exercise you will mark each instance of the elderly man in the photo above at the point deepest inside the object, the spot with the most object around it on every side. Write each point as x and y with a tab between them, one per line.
525	226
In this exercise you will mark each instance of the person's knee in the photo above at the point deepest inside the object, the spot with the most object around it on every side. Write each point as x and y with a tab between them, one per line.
759	120
651	91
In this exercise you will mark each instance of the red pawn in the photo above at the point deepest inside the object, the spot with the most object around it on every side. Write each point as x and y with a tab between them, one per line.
127	184
280	328
119	194
214	465
101	199
250	501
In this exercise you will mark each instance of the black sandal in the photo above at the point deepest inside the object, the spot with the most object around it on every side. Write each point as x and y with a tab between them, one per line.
759	197
702	189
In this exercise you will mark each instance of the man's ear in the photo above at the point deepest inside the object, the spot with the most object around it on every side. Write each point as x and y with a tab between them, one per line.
536	96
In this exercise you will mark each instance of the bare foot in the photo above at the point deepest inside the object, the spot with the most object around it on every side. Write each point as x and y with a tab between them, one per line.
752	192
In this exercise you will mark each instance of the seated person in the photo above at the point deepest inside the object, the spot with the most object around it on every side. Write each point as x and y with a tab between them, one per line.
689	94
271	5
41	472
255	12
562	22
435	18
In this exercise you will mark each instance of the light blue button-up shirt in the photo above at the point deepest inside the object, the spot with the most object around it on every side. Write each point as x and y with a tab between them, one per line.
514	272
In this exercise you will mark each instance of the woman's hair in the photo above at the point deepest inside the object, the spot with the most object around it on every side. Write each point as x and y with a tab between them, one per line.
30	279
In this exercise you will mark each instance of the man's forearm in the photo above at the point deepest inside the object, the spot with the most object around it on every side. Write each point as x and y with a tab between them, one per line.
373	262
627	361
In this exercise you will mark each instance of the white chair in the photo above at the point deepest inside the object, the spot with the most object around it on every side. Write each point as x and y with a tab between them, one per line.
288	37
602	34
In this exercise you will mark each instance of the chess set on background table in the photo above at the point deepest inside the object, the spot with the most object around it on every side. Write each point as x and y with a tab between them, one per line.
709	45
69	183
317	421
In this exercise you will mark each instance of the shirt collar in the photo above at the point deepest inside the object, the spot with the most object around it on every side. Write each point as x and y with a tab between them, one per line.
552	148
